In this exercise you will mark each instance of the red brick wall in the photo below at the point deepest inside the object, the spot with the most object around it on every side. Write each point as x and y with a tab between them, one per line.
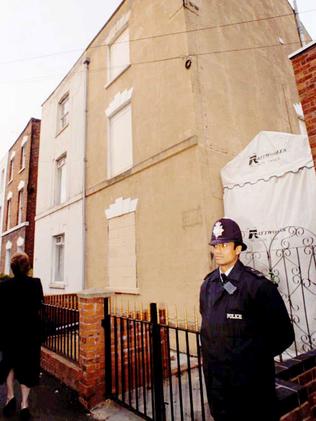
32	189
66	371
29	176
307	411
304	65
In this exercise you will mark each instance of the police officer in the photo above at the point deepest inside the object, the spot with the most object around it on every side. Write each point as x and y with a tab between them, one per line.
244	325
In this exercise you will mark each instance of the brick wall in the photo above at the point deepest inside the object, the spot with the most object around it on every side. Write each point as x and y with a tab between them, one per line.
66	371
88	376
28	175
298	376
32	188
304	65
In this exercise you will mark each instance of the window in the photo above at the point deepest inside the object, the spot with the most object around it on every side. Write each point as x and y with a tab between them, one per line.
120	141
58	258
122	254
20	245
20	207
20	249
23	157
63	112
7	265
122	245
11	164
119	57
8	222
60	180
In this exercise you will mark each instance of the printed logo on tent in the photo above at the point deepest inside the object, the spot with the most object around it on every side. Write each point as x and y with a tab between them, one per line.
254	234
255	160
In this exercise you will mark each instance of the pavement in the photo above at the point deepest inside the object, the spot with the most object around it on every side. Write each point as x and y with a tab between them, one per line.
53	401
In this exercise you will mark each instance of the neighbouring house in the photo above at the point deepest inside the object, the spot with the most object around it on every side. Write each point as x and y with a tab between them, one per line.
3	172
20	195
175	90
304	66
59	233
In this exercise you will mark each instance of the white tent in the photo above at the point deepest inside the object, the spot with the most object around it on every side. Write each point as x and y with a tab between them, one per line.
270	190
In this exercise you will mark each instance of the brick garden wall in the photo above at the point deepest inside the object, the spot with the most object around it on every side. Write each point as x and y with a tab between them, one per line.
66	371
299	375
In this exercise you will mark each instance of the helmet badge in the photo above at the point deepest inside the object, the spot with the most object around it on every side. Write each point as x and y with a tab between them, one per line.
218	229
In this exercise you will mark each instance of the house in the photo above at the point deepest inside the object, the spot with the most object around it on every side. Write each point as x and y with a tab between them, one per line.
20	195
59	237
175	90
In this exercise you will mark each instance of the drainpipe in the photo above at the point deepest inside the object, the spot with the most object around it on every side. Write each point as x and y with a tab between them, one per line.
299	24
84	163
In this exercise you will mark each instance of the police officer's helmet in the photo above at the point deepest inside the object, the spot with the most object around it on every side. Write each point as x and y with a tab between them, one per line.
226	230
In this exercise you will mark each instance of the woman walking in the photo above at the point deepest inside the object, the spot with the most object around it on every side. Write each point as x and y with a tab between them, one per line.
21	298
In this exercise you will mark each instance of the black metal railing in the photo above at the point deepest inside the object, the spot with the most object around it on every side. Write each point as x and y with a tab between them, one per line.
154	368
60	330
289	259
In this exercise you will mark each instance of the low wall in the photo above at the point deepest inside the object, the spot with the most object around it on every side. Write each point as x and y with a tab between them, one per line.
296	387
63	369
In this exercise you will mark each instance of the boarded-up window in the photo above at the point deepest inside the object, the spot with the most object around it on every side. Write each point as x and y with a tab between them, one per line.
122	253
119	55
120	142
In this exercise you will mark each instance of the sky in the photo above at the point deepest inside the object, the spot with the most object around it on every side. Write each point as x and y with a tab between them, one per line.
41	40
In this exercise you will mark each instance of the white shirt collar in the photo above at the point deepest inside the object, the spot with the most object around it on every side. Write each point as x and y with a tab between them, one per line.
227	271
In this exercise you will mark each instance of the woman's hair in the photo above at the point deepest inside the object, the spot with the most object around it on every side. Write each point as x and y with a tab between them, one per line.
20	264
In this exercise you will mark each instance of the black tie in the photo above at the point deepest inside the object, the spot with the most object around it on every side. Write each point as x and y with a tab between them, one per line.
224	278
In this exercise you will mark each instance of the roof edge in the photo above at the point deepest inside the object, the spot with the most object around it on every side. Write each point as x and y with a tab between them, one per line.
82	55
302	49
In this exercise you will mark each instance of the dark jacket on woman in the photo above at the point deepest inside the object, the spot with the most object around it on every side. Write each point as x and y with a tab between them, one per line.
20	329
243	328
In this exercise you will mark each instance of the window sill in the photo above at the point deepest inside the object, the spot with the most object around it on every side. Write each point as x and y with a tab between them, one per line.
133	291
57	285
61	130
121	173
117	76
21	170
10	181
16	227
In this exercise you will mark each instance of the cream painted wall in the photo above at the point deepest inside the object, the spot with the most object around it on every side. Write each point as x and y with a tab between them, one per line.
244	90
67	221
170	234
67	217
187	124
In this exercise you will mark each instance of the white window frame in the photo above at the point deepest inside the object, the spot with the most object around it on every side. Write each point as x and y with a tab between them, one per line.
121	102
117	30
20	206
113	72
58	274
7	264
63	112
23	157
11	169
20	245
61	180
9	214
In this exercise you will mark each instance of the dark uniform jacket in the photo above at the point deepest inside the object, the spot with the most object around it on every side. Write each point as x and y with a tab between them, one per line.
241	332
20	331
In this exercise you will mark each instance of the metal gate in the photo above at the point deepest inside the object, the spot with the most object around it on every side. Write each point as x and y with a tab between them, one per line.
289	259
153	368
